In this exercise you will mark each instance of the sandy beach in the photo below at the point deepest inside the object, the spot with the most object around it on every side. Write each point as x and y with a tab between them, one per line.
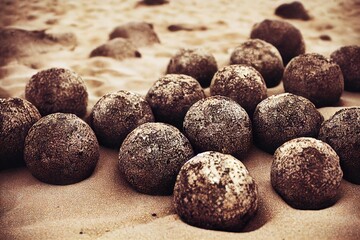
104	206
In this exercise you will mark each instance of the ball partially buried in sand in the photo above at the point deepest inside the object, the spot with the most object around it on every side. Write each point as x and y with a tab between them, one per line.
61	149
197	63
116	114
171	96
117	48
215	191
57	90
151	156
219	124
314	77
342	133
306	173
16	117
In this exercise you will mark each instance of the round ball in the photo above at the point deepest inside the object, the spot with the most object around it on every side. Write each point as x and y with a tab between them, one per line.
219	124
241	83
196	63
215	191
282	117
57	90
348	58
306	173
263	56
283	35
171	96
151	157
315	78
16	117
116	114
61	149
342	133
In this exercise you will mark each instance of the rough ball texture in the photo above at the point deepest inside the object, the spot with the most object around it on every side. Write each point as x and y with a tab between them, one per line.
117	48
16	117
215	191
172	95
263	56
219	124
151	157
314	77
61	149
342	133
348	58
282	117
241	83
306	173
283	35
57	90
116	114
196	63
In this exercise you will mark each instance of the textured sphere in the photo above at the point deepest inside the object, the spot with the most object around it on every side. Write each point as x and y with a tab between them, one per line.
219	124
283	35
241	83
263	56
314	77
196	63
342	133
57	90
61	149
171	96
306	173
348	58
16	117
215	191
151	157
280	118
116	114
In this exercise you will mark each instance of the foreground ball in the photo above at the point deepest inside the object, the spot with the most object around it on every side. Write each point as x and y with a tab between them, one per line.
151	156
57	90
306	173
16	117
342	133
215	191
61	149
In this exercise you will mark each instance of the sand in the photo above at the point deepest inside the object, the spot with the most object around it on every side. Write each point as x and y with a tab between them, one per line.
104	206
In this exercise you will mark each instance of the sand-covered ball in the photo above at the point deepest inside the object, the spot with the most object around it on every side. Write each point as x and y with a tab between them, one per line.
218	123
197	63
242	83
57	90
117	48
283	35
306	173
348	58
116	114
61	149
314	77
215	191
342	133
151	157
171	96
16	117
280	118
261	55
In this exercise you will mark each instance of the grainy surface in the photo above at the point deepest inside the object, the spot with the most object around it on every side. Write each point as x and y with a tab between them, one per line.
342	133
116	114
61	149
117	48
282	117
215	191
314	77
57	90
218	123
306	173
16	117
151	157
